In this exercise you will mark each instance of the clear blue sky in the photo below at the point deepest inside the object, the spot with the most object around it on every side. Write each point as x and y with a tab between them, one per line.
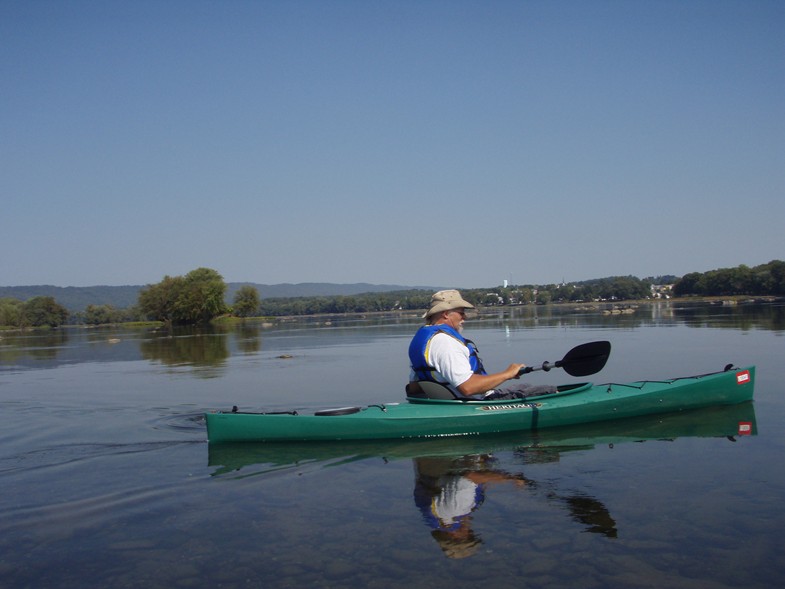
440	143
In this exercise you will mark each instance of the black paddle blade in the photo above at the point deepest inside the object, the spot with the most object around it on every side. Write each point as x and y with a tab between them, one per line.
586	359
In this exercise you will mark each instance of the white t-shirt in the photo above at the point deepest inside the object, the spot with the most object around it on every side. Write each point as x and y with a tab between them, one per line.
450	358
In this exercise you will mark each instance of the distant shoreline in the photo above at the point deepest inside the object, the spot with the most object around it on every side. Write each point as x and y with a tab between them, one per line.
598	306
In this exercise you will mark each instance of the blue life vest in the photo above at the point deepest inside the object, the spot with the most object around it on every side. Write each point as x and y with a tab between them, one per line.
418	351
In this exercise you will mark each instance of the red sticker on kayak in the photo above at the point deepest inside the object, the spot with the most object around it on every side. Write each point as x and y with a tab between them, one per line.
745	428
743	377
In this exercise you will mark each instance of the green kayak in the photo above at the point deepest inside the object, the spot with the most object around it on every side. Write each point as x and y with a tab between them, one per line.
429	417
728	422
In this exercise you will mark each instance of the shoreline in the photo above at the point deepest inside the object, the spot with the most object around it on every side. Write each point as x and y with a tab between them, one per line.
604	307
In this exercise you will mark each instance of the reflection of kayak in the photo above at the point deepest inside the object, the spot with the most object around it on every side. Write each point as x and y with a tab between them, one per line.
425	417
533	447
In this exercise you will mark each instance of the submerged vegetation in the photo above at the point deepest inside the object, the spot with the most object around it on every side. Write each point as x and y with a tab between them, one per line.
199	297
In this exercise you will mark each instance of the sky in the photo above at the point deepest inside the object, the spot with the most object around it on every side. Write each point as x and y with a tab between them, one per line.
448	143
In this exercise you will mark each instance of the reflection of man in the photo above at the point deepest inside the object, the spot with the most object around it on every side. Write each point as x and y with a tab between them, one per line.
447	491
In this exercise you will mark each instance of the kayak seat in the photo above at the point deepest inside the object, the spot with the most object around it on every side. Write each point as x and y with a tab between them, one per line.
425	389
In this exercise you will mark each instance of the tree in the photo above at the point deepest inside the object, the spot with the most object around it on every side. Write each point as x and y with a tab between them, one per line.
246	301
689	284
776	271
157	301
197	297
202	297
766	279
11	312
101	315
42	312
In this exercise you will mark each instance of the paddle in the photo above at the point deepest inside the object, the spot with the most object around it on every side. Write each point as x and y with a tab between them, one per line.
580	361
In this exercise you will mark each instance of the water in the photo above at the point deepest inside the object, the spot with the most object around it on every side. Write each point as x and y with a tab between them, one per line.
107	480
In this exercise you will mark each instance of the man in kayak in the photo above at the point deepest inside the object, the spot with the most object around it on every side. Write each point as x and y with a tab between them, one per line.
439	353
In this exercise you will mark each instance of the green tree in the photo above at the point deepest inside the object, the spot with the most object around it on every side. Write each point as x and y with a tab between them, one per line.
246	301
776	277
689	284
11	312
101	315
42	312
766	279
202	297
158	301
197	297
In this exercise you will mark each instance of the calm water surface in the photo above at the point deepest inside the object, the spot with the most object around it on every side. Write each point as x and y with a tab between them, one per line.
107	479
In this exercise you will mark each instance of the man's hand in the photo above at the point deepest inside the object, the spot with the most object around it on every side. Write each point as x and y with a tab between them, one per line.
481	383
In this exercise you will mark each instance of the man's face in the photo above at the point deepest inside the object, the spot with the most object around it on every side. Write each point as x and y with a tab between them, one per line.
455	318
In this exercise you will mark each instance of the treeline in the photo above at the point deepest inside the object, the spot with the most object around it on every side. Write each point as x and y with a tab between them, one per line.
361	303
764	280
36	312
619	288
45	311
199	297
78	298
614	288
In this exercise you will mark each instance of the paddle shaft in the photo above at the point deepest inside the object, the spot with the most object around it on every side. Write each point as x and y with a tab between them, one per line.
546	366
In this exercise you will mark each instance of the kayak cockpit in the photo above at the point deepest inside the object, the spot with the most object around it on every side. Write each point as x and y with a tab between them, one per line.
427	392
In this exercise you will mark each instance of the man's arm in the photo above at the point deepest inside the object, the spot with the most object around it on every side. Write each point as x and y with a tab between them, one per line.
451	360
481	383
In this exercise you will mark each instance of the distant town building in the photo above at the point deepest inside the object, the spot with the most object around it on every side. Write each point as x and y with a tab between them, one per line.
661	291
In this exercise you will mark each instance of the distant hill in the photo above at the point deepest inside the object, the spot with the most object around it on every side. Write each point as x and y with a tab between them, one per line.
76	298
316	289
